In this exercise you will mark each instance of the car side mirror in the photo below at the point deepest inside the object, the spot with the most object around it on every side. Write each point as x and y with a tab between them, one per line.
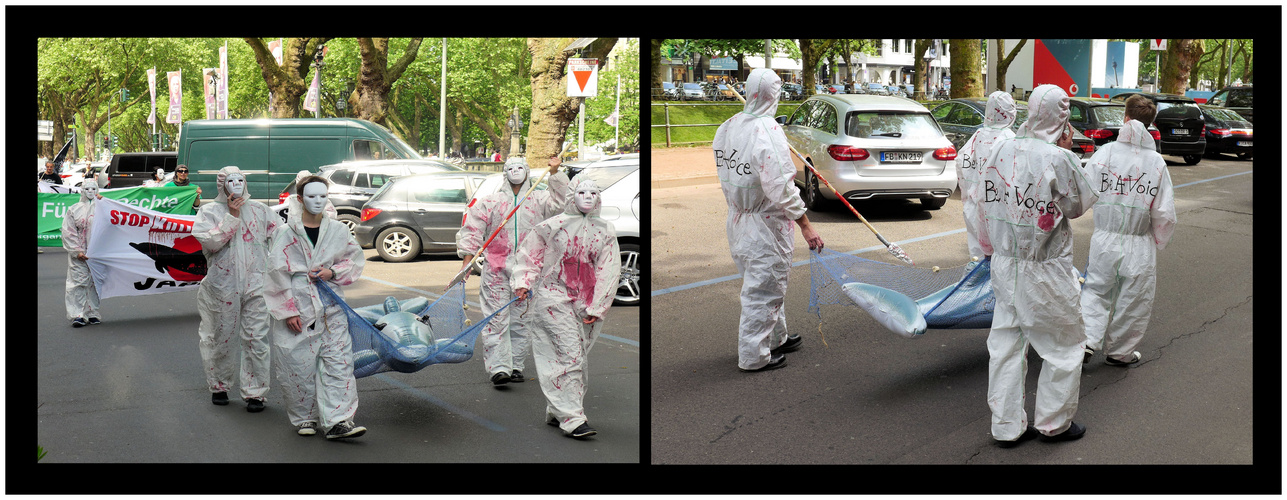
781	119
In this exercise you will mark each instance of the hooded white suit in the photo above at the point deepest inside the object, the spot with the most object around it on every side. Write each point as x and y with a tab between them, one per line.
1029	190
82	297
1134	218
505	339
572	266
755	171
315	366
231	297
997	118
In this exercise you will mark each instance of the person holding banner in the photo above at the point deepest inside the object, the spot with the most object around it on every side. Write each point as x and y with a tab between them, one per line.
313	350
571	264
181	180
234	231
82	297
505	339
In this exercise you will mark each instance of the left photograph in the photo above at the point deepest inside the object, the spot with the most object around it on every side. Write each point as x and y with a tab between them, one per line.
347	250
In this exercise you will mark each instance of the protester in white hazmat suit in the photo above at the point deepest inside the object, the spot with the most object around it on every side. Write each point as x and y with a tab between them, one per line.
1134	218
312	348
506	340
755	170
82	297
997	119
1030	188
233	231
571	265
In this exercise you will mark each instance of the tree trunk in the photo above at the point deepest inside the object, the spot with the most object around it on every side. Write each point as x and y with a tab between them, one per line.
370	100
552	110
655	80
1181	54
967	72
1003	65
921	76
286	80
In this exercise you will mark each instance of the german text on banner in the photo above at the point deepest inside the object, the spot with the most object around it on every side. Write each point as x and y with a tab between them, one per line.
176	97
50	207
136	251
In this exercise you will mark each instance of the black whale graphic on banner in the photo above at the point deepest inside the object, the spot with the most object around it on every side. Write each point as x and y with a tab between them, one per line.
183	262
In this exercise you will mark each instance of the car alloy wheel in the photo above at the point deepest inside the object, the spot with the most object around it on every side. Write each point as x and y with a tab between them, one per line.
628	291
350	221
397	244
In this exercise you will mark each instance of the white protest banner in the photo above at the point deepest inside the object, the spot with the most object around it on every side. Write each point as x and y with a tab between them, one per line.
583	77
151	89
176	97
136	251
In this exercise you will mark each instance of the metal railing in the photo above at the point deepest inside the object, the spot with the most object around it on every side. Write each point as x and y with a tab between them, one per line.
667	125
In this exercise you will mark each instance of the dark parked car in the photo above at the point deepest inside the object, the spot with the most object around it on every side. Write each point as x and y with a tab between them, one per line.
354	182
960	118
791	92
1237	99
416	214
1101	119
133	169
1227	132
1179	123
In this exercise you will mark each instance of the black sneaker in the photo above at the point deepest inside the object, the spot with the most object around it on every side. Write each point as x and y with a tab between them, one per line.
775	362
500	378
345	429
1028	434
219	398
516	377
583	431
307	429
1075	431
78	322
95	321
254	405
792	344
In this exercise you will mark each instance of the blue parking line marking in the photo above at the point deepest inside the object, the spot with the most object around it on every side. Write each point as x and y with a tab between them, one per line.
1211	179
440	403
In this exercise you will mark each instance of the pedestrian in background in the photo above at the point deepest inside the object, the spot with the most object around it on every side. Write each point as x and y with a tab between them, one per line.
181	180
1134	218
1031	187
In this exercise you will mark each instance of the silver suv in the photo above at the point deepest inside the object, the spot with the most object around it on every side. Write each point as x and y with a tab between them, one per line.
870	146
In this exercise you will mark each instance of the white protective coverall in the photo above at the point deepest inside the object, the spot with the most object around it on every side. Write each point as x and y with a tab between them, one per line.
505	339
755	171
82	297
315	366
997	119
1134	218
231	297
571	265
1029	190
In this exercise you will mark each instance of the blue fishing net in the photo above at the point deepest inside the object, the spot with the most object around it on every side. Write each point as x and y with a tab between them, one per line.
905	299
408	335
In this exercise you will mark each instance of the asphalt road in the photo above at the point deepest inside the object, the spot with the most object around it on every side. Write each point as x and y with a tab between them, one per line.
132	390
870	396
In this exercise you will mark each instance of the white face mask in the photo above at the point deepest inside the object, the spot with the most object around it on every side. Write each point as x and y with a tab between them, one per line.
516	173
91	188
586	198
236	184
314	197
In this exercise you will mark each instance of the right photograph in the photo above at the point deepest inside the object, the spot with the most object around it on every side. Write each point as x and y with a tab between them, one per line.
951	252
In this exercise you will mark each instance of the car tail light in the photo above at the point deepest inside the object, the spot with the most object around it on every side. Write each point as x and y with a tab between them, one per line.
64	175
1098	133
1088	148
1221	132
847	153
1157	136
947	153
369	213
1240	131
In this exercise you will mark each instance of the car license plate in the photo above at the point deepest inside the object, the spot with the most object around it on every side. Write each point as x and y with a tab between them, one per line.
1179	131
1245	144
901	156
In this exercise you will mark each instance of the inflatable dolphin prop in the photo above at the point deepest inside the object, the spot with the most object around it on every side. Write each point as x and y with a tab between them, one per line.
408	343
967	304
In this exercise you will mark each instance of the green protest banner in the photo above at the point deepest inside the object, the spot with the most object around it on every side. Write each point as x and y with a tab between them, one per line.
50	207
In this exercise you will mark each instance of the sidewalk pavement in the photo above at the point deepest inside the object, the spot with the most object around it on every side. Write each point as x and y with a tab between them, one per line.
682	166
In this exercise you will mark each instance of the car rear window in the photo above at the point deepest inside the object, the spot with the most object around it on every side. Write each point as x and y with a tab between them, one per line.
605	176
1110	115
1225	114
342	176
1181	110
1239	98
877	125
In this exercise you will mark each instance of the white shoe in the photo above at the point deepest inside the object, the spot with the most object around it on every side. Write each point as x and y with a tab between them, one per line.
307	429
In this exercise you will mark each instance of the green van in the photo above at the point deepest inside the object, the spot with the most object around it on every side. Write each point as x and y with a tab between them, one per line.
272	151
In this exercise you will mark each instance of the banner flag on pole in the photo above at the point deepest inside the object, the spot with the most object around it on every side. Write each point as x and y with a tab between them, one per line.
51	204
176	97
210	82
222	98
136	251
310	101
151	88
